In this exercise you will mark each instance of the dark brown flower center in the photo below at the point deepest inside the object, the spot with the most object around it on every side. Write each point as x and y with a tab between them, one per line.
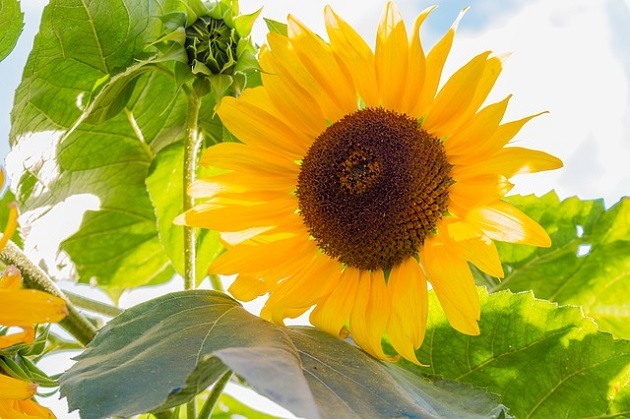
372	188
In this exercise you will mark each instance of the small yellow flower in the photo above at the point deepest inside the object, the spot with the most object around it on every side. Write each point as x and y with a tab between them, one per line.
22	308
357	181
15	402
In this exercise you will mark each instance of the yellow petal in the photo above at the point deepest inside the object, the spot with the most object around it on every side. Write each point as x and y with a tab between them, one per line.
292	101
507	131
258	180
263	129
11	226
288	66
305	287
391	57
480	251
27	409
26	336
333	312
237	157
370	314
309	284
474	138
14	389
27	307
355	54
11	279
407	287
454	286
434	66
318	59
247	287
517	161
252	259
509	162
502	221
491	73
455	96
225	215
416	67
479	190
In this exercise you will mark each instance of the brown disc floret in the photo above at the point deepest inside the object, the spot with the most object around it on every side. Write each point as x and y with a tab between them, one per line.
372	187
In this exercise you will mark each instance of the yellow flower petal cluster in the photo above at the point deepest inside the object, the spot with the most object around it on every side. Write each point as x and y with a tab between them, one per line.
343	145
22	308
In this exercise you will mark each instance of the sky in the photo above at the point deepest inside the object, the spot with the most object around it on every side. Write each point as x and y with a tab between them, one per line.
568	57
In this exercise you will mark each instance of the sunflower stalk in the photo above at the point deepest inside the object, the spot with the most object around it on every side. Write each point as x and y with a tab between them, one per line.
191	152
213	398
34	277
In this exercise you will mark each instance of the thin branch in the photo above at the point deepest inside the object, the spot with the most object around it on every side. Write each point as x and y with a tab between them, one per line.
217	390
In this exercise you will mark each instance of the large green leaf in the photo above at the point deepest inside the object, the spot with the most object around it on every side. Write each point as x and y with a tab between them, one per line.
79	45
90	115
545	361
163	352
11	24
588	264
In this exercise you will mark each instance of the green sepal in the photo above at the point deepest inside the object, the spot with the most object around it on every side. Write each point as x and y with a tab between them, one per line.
276	27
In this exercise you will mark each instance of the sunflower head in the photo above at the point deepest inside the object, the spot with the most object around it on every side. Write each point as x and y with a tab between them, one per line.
358	182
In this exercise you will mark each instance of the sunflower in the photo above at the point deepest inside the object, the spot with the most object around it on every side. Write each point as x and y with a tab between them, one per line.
357	183
23	309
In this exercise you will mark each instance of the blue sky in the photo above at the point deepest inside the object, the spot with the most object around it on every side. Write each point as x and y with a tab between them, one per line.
570	57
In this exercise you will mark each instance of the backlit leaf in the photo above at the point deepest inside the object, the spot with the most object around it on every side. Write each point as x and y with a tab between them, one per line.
11	24
545	361
588	264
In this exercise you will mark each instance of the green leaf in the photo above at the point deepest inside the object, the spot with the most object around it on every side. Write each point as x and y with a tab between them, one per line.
78	47
11	24
115	94
166	188
588	264
88	99
183	342
545	361
276	27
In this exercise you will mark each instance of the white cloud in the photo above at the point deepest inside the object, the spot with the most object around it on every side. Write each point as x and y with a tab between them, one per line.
563	60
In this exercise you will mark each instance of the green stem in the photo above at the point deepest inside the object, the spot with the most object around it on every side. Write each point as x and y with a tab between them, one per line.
216	283
217	390
191	409
34	277
192	143
93	305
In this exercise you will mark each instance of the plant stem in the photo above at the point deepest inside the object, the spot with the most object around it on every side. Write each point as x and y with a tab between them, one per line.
192	144
34	277
215	281
93	305
217	390
191	409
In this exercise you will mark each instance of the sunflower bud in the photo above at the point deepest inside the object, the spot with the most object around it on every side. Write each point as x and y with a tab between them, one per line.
211	46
